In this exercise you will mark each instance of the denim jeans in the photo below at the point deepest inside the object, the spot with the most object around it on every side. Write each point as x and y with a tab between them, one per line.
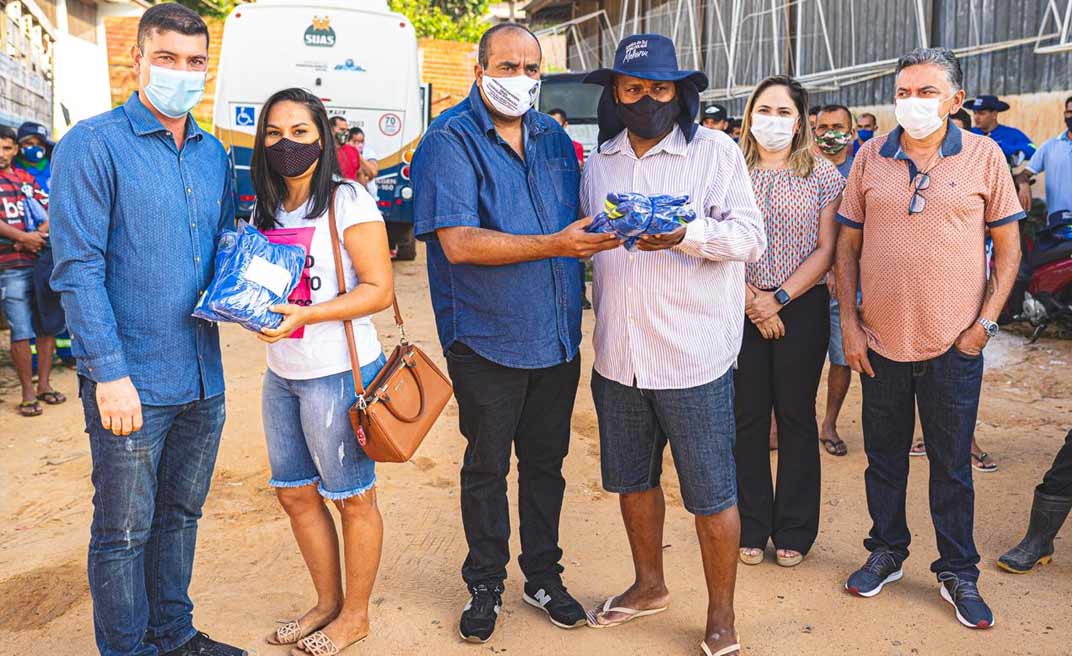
500	410
148	491
946	390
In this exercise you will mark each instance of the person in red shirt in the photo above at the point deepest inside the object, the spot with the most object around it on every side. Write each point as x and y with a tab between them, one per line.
349	157
19	247
560	116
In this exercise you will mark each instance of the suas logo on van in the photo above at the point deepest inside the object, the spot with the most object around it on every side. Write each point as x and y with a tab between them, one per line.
320	34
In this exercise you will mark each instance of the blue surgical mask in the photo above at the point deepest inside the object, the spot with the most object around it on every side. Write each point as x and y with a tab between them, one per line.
33	154
864	135
174	93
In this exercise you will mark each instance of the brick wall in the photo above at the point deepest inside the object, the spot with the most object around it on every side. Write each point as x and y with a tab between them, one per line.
448	66
122	32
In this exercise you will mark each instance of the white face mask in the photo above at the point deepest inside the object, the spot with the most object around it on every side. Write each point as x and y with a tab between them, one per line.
510	96
773	132
919	116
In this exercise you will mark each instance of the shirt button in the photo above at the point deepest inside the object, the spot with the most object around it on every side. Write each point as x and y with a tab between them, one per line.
192	225
632	257
189	190
197	258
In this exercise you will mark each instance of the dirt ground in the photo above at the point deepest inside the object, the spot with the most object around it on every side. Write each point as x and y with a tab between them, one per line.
249	572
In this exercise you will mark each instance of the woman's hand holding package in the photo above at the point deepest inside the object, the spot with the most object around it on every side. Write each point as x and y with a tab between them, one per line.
294	317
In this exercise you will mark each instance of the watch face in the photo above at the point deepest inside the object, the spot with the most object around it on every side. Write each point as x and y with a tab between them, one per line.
781	296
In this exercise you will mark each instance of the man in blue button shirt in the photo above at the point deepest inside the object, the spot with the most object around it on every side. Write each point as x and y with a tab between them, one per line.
1055	159
495	191
139	196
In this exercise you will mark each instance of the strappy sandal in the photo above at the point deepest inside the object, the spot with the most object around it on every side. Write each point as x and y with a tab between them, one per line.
30	409
288	633
980	464
52	397
725	651
750	556
790	561
319	644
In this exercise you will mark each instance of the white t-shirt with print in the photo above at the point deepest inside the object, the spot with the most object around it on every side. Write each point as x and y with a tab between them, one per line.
369	154
322	350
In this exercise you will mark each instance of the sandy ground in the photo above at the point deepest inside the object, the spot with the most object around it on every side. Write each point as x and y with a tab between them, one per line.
249	572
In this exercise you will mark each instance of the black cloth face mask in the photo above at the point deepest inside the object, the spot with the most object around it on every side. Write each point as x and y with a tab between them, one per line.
648	118
1068	123
290	158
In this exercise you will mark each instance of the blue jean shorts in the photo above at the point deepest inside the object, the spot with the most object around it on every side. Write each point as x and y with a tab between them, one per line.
836	349
698	422
16	292
310	440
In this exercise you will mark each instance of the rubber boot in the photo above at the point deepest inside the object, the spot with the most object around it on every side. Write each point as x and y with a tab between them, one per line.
1048	513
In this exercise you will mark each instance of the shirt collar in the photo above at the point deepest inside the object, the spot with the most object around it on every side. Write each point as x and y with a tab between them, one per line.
673	143
531	120
951	145
1064	136
143	122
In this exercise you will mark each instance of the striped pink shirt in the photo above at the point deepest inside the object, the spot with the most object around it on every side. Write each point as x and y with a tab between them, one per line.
673	319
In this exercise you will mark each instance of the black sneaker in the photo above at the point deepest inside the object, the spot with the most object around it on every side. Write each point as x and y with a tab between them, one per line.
563	610
882	567
479	615
963	595
202	645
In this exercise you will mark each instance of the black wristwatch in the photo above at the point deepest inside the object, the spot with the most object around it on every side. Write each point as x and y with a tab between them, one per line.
782	296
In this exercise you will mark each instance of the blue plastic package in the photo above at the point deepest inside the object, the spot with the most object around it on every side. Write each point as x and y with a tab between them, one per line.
630	216
252	274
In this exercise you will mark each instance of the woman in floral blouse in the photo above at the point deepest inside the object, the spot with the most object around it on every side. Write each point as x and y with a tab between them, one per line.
788	324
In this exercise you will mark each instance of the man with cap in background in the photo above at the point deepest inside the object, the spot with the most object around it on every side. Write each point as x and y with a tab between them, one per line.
657	378
716	117
34	153
1012	141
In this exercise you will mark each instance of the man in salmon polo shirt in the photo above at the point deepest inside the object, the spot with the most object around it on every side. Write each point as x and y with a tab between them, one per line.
916	206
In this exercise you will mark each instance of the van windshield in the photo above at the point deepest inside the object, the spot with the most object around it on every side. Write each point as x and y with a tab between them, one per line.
579	101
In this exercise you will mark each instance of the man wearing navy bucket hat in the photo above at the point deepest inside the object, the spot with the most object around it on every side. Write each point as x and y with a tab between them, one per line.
669	321
1014	143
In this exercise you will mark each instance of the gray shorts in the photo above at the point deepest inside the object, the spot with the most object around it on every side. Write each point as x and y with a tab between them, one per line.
699	424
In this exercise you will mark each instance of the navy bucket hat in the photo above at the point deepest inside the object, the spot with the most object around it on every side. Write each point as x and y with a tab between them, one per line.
649	57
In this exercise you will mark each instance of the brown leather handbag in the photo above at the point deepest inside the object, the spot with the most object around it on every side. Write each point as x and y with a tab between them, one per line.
392	417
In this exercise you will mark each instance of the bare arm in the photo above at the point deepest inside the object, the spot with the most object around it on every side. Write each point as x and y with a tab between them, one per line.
370	168
1006	265
483	247
847	269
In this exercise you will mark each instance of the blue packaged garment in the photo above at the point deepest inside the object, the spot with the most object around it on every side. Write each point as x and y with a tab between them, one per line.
252	275
630	216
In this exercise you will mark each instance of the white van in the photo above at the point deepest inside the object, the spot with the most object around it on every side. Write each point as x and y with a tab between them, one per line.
357	56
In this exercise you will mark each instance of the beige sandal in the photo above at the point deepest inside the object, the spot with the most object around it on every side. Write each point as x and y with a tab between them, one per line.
595	617
790	561
751	555
319	644
288	633
725	651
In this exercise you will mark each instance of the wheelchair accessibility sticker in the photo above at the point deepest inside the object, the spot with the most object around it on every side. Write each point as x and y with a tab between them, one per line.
245	116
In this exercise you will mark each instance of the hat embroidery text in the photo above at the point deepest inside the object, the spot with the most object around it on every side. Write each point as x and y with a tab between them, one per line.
635	50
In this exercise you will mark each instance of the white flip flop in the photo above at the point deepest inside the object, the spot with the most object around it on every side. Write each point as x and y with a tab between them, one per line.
630	614
724	651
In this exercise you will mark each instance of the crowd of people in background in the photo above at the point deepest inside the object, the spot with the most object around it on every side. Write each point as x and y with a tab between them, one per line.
813	241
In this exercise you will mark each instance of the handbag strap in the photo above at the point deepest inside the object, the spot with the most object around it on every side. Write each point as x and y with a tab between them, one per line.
348	325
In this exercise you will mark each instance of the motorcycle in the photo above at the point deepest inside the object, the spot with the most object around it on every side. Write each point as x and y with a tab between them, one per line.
1048	297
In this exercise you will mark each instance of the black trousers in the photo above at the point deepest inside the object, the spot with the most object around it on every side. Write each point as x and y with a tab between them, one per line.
1058	481
501	410
784	375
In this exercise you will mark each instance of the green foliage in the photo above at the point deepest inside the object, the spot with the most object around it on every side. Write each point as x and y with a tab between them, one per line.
450	20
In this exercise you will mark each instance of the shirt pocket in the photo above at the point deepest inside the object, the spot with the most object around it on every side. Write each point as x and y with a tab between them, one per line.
565	179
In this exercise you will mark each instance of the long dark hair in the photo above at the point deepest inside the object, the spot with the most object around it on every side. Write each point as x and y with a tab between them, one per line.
269	186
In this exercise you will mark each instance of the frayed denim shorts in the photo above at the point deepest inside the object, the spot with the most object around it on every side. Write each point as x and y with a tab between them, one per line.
310	441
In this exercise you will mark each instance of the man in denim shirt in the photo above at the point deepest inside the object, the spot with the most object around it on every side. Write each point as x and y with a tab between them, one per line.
141	193
495	187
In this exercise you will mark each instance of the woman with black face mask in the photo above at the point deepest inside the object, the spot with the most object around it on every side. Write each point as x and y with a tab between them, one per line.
308	388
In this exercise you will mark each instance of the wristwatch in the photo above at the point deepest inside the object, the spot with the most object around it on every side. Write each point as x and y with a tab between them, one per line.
989	326
781	296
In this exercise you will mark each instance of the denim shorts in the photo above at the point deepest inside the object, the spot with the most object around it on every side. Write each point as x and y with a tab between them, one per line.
16	291
310	440
698	422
